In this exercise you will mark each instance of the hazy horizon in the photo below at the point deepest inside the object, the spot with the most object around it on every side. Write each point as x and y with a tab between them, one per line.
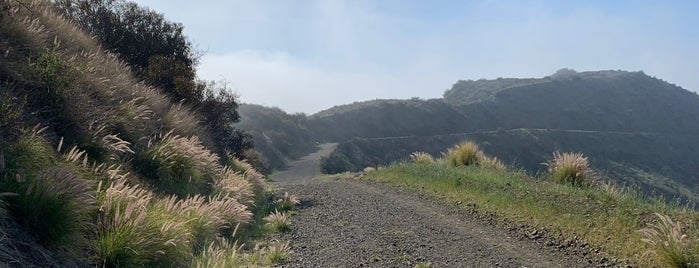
306	56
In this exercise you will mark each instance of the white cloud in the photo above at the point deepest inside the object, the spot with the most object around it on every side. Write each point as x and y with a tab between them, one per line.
276	79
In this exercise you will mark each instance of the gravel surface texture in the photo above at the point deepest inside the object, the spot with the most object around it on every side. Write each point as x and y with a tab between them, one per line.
357	223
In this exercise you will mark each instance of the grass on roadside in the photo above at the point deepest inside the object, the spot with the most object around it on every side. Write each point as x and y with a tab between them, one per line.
606	219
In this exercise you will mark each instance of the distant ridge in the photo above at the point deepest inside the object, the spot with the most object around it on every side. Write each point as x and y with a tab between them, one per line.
648	129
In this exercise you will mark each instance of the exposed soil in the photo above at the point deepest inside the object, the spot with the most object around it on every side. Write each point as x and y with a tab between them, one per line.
355	223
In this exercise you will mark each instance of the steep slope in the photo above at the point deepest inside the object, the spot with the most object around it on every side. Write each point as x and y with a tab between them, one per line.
99	169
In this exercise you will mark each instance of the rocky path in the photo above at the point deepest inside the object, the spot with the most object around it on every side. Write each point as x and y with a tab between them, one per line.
354	223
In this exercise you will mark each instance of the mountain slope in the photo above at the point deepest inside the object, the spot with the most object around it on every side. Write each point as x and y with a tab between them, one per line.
637	129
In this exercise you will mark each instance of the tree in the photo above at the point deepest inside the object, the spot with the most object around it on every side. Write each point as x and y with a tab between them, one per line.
160	54
155	48
219	109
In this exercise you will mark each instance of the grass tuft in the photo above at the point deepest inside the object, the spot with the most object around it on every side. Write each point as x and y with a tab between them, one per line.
287	202
278	221
463	154
469	154
670	244
421	157
178	165
570	168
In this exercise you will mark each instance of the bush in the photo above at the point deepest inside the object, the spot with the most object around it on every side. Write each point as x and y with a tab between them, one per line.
570	168
335	163
673	247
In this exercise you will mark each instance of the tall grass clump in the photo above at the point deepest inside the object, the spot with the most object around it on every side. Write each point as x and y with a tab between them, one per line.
670	244
287	202
278	221
570	168
178	165
50	198
133	232
421	157
469	154
219	254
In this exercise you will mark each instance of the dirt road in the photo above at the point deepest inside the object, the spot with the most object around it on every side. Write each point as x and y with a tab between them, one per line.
354	223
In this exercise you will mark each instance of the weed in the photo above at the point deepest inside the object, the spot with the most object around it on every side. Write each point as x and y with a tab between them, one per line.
276	253
463	154
287	202
178	165
421	157
219	254
570	168
469	154
673	247
54	206
278	221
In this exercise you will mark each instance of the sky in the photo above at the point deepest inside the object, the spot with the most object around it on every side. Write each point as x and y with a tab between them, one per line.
307	56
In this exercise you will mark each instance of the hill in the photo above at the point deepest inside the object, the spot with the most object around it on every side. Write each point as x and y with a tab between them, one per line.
638	129
277	135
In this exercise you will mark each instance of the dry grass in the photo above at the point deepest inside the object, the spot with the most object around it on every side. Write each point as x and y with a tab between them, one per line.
178	165
219	254
570	168
670	244
107	117
287	202
421	157
469	154
278	221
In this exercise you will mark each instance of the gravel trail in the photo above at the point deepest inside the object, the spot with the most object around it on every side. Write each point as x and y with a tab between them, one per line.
355	223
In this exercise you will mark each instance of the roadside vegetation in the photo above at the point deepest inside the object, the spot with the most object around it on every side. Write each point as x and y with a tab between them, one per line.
113	160
569	204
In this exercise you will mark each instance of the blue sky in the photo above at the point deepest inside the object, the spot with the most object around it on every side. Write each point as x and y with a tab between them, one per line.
306	56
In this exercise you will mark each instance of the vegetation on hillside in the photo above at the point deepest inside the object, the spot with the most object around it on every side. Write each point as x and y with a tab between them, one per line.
278	136
100	169
595	217
159	54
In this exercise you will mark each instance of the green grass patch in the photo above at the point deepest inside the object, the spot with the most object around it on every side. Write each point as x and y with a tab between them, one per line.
601	216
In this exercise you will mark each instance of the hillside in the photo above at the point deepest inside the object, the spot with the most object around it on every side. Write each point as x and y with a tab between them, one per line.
638	129
101	167
277	135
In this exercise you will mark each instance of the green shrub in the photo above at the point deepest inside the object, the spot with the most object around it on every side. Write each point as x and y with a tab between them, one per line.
672	246
570	168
